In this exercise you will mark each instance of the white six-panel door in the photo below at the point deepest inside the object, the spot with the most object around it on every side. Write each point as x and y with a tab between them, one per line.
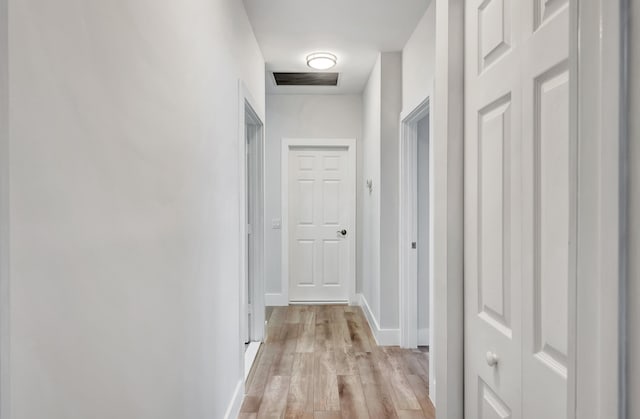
519	211
321	221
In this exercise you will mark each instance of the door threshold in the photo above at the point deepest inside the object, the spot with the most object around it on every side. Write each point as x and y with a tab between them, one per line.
315	303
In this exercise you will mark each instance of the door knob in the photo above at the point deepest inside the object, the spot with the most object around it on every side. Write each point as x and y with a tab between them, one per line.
492	359
342	232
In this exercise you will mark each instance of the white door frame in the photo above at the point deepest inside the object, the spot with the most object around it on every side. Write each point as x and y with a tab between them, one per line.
408	229
598	49
287	144
597	57
408	221
447	234
4	212
248	113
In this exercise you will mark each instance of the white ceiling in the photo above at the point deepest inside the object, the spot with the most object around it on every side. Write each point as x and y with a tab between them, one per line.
354	30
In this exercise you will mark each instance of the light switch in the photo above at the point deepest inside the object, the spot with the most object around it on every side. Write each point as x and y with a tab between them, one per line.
276	224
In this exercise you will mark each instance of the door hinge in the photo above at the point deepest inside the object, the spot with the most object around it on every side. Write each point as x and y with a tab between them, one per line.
414	245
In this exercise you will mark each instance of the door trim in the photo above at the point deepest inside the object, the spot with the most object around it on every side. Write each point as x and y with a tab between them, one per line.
248	106
287	144
4	214
408	219
447	150
408	229
599	59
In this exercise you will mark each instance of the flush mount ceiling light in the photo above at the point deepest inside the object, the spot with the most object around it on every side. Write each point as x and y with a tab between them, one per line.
321	60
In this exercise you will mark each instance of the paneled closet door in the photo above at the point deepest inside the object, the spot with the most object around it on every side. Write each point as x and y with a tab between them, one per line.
493	142
549	185
518	208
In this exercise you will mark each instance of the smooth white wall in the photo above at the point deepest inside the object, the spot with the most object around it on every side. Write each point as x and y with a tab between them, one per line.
418	61
391	106
382	99
448	205
371	130
633	302
4	211
124	206
302	116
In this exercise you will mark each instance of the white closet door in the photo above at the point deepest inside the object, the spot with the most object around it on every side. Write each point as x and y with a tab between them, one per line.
549	207
493	292
517	202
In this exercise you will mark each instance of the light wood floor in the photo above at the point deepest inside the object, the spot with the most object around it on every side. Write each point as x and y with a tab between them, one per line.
321	362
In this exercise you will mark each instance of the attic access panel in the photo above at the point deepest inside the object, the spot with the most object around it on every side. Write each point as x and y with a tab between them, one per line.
306	79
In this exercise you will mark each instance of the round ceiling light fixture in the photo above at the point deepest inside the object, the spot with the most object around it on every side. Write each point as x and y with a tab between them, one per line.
321	60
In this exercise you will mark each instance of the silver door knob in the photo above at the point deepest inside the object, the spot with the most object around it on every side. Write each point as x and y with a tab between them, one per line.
492	359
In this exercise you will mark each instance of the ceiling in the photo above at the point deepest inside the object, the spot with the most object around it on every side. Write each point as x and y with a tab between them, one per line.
354	30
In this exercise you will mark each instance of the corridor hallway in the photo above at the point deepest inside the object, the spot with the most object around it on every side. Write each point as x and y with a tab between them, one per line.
322	361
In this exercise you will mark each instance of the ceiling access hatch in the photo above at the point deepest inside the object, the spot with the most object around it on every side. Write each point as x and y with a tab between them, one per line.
306	79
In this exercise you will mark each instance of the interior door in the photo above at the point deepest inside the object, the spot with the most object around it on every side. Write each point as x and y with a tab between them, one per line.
517	208
321	217
549	211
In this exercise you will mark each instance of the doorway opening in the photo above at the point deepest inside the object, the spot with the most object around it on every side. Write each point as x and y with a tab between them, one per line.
416	221
252	225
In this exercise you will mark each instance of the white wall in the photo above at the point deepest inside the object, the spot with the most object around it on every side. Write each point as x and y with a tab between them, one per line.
124	206
382	99
448	207
634	210
301	116
418	61
4	211
371	129
391	106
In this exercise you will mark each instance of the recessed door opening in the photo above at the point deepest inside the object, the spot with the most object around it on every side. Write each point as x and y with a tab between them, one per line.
416	251
252	319
422	226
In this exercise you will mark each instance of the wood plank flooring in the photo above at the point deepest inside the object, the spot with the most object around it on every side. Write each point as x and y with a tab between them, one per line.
322	362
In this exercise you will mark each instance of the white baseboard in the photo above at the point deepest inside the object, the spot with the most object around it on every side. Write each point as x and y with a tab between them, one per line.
318	303
280	300
275	300
423	337
250	355
236	402
384	337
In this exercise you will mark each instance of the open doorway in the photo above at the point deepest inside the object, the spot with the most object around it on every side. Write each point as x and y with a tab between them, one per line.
252	237
422	227
416	251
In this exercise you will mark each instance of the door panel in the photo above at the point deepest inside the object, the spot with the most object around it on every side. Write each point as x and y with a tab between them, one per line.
549	216
321	202
492	211
494	281
490	404
518	208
